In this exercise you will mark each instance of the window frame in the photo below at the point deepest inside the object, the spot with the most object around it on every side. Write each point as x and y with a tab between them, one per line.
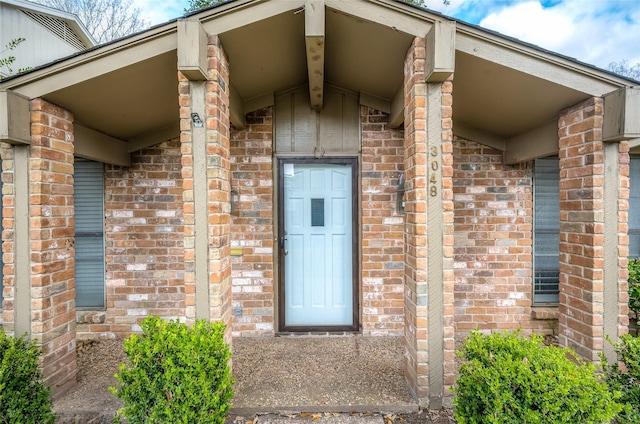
538	297
86	235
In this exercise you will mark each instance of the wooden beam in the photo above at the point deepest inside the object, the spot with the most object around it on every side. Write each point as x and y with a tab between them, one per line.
392	14
154	137
15	119
471	133
375	102
192	49
621	114
259	102
94	145
314	17
440	51
396	114
536	143
236	108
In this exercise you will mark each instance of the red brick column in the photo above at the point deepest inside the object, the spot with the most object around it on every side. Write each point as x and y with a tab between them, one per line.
448	241
217	190
53	313
415	169
186	151
583	263
218	170
429	235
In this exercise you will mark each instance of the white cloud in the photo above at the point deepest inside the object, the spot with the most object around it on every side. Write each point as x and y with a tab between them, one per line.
530	22
596	32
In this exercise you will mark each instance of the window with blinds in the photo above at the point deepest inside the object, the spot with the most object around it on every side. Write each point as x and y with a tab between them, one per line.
634	207
89	230
546	230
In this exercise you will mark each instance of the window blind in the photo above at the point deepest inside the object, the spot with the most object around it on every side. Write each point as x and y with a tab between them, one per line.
546	225
89	230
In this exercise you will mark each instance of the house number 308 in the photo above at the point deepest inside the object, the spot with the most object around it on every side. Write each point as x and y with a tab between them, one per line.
435	165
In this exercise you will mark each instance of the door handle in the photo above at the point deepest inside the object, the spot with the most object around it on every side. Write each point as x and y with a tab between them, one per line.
281	242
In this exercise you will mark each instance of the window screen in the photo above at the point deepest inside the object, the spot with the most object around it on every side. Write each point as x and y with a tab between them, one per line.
89	229
634	208
546	227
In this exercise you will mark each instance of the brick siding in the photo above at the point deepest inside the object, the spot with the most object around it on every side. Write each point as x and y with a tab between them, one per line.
252	226
493	243
144	243
382	226
415	147
53	313
582	175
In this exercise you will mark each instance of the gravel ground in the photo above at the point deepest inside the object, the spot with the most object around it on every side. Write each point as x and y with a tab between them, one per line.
294	380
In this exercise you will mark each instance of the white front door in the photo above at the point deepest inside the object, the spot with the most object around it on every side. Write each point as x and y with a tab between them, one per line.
316	243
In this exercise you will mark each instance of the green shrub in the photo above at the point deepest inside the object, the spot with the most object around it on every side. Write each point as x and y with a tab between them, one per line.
24	398
507	378
626	379
177	374
634	285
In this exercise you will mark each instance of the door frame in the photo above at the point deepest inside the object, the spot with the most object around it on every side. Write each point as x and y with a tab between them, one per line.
355	244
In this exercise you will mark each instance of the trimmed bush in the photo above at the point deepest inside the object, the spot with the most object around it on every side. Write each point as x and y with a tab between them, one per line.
507	378
24	398
626	379
177	374
634	286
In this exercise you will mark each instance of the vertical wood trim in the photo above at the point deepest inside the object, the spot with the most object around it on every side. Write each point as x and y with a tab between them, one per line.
435	252
440	51
611	270
22	277
200	198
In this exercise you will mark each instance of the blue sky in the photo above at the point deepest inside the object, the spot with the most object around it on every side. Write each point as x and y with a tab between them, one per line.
597	32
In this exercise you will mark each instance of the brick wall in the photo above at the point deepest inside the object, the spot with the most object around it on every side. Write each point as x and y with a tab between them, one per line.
382	226
448	240
252	226
144	243
219	183
415	269
493	248
582	235
53	313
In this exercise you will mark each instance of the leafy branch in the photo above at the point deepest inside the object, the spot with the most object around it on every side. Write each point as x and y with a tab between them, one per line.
7	62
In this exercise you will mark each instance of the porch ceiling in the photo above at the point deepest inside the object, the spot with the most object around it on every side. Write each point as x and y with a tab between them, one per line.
132	94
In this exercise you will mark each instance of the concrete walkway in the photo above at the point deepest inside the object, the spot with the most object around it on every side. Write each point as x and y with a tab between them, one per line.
320	374
341	379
